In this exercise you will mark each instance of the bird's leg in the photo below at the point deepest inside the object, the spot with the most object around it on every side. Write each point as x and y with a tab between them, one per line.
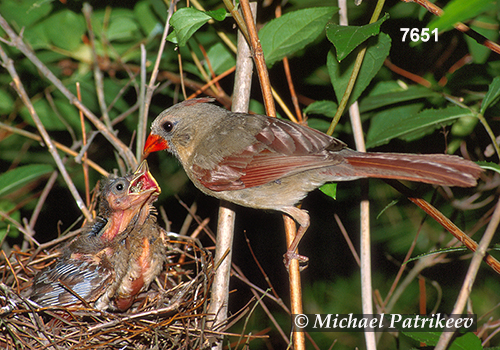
303	220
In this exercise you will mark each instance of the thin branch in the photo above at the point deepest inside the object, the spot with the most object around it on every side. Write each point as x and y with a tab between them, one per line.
225	226
41	200
58	145
17	42
143	118
365	237
212	82
99	84
154	74
352	80
480	39
84	145
237	18
299	340
290	228
286	67
470	277
9	65
444	221
258	56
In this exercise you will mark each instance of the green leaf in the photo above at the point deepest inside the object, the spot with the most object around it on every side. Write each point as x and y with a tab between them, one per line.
489	166
330	190
321	124
404	122
326	108
467	341
186	21
413	92
492	95
20	176
74	28
485	26
220	58
285	35
460	11
391	204
37	37
347	38
464	126
122	27
6	228
340	72
47	116
6	102
24	13
218	15
146	17
438	251
429	338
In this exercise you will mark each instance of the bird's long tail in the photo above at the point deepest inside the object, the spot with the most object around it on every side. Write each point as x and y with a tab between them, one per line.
438	169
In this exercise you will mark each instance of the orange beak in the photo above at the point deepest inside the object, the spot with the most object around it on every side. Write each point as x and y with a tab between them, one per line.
154	143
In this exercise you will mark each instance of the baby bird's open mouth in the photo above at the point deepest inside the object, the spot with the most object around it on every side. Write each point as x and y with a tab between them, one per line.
143	181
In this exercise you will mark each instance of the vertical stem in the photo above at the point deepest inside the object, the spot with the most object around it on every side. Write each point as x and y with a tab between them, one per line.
299	340
470	277
260	62
143	117
258	55
357	64
220	286
150	88
365	246
225	226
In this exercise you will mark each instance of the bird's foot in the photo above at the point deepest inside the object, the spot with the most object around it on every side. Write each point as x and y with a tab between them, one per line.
289	256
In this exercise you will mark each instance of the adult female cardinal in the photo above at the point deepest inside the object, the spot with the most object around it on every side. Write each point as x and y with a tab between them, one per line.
267	163
116	256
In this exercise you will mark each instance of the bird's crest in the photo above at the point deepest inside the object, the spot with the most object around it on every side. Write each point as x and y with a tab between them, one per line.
197	100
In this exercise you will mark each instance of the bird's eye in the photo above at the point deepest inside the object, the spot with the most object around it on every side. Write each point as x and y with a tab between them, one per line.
168	126
120	186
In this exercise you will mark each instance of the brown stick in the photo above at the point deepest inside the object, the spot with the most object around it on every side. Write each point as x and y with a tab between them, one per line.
290	229
225	226
429	6
19	87
258	56
286	67
445	222
16	41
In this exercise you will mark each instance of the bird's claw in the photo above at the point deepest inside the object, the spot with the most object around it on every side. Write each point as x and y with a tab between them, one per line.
289	256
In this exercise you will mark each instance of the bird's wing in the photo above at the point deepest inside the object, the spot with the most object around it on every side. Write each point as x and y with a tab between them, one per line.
58	286
280	149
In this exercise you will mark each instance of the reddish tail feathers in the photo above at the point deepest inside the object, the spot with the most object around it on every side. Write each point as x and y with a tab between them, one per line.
437	169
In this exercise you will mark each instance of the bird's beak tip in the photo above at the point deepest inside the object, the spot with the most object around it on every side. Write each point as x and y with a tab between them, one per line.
144	180
154	143
143	167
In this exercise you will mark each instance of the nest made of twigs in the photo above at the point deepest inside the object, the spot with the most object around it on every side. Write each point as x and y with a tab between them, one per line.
170	314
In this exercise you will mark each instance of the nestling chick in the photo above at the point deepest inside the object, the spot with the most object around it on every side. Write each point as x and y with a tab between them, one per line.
94	266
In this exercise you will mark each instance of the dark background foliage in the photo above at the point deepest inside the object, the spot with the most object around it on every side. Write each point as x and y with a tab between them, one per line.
459	72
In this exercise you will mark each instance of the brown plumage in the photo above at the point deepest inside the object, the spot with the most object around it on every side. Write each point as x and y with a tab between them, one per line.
100	264
268	163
